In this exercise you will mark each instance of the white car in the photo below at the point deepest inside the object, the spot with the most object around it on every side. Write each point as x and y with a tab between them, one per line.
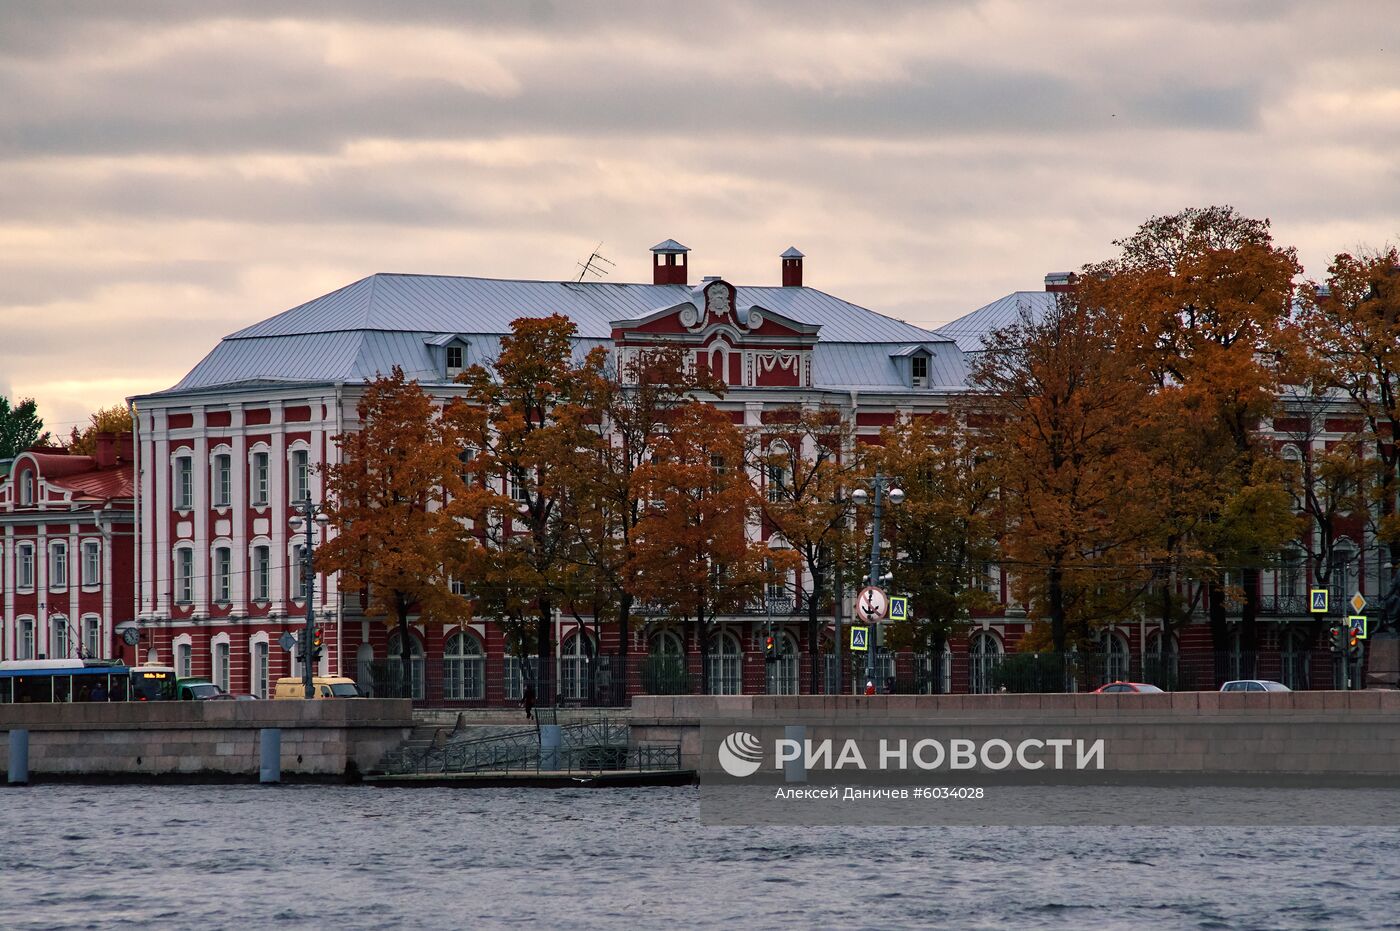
1254	685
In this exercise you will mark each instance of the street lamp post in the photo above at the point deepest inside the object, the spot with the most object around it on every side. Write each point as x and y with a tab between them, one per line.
880	485
310	515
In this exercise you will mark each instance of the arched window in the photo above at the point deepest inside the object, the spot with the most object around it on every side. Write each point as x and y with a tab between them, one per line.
364	668
782	675
1113	648
394	665
463	668
1293	658
59	644
221	663
261	668
984	655
664	671
1159	666
726	664
573	666
26	488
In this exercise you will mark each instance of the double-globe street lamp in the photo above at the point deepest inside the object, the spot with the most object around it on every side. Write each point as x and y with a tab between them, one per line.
310	515
882	491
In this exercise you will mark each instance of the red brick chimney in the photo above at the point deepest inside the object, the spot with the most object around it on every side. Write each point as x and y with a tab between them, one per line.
1061	282
124	444
792	268
668	263
106	453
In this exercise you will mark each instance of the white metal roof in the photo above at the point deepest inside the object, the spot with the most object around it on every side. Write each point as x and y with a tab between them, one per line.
968	330
367	327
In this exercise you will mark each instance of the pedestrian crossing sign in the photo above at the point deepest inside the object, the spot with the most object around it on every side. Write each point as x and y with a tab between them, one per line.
1319	600
860	639
899	608
1358	625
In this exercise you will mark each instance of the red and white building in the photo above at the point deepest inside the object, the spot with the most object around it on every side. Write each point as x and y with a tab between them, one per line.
224	457
67	571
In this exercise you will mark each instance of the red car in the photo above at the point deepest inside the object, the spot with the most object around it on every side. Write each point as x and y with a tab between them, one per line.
1126	687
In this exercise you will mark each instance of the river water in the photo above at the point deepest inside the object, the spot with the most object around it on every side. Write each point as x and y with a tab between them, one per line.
357	857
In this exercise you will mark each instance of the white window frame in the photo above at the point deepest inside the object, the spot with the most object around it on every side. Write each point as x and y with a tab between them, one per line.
259	477
222	559
259	665
59	623
299	474
92	637
25	645
221	662
58	565
916	378
92	563
182	656
24	566
26	488
261	571
221	478
184	575
183	482
297	582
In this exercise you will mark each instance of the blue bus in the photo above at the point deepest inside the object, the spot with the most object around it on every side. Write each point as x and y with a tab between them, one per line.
26	681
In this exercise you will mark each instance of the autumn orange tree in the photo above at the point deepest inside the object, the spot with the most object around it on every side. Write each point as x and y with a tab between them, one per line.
807	456
1204	300
1352	331
602	501
945	534
386	500
1060	404
541	409
114	419
693	556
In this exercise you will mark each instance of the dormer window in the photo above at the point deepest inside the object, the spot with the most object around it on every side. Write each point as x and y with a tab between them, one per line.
454	360
920	371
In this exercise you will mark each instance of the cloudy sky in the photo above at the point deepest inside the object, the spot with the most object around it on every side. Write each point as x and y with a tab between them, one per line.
172	171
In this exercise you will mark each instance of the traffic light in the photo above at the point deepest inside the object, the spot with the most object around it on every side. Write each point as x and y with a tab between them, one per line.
770	649
1353	642
317	641
1337	638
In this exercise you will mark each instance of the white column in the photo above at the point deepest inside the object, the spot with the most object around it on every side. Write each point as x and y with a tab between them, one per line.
203	566
109	539
158	514
75	581
238	440
7	570
41	589
277	509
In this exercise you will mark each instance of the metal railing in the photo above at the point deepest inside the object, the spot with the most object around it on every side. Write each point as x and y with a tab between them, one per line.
594	746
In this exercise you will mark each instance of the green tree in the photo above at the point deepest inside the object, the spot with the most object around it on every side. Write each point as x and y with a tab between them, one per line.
20	427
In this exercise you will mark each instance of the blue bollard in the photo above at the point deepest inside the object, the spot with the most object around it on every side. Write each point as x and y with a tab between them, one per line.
270	755
795	770
19	758
551	737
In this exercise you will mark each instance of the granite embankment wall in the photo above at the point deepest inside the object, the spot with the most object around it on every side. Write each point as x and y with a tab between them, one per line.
320	739
1187	733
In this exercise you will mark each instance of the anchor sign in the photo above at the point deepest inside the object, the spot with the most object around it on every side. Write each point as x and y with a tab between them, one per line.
872	604
860	639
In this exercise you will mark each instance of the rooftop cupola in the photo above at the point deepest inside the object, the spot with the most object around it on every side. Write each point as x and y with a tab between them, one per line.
792	268
668	264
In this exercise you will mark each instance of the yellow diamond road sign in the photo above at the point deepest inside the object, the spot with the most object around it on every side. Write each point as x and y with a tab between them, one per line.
1358	604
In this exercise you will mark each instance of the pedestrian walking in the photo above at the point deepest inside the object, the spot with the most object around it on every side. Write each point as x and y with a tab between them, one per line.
528	700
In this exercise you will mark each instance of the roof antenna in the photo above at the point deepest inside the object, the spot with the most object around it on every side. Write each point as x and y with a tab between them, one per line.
591	267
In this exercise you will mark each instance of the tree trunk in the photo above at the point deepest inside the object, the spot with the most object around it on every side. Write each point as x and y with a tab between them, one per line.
1056	593
544	641
405	651
813	632
938	641
1249	627
703	642
1219	630
622	676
